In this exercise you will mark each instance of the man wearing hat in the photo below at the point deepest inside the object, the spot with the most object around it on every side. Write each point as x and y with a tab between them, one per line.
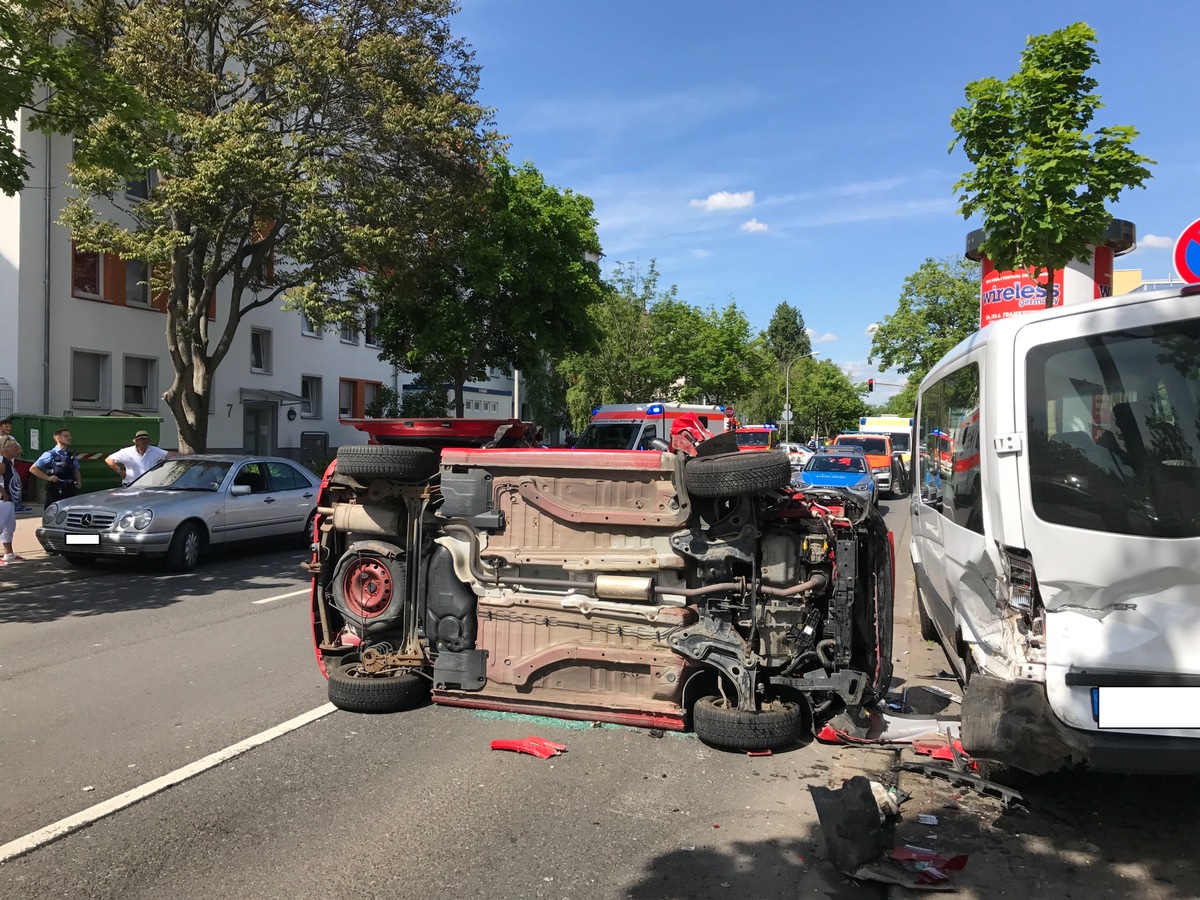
131	462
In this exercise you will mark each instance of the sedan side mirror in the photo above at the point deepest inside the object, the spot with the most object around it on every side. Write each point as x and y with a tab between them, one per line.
239	489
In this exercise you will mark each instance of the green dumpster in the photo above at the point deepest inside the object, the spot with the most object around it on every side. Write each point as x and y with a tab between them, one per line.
92	438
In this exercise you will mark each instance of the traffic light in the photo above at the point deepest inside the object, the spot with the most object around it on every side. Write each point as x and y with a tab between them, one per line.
870	384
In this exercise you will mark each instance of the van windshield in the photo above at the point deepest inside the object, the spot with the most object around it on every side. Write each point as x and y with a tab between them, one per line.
609	436
870	444
1114	427
754	438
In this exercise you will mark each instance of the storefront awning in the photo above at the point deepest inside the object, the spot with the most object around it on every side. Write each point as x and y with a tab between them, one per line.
258	395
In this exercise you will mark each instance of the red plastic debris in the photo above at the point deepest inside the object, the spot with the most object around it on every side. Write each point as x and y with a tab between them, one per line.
758	752
534	746
917	855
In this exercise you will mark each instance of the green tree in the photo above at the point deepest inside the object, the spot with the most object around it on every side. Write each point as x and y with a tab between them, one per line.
512	289
50	74
786	336
297	145
622	367
824	400
652	345
939	306
1041	179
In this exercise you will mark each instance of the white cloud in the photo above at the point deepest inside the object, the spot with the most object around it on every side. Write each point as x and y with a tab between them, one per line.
754	225
871	329
724	200
827	338
700	253
1156	242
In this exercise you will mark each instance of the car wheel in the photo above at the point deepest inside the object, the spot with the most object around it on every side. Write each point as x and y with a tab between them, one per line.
184	552
386	461
729	474
928	631
353	690
775	726
306	536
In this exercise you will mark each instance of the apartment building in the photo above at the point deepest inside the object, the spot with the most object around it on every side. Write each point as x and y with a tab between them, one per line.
82	335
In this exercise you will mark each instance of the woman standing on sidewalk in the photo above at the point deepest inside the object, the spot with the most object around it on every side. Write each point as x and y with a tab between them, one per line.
10	497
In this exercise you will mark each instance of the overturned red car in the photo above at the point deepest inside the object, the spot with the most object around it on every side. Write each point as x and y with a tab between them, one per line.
685	586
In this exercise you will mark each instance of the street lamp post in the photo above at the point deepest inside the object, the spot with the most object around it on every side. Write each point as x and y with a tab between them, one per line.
787	395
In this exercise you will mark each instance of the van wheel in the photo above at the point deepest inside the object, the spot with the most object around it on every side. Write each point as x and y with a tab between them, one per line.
775	726
353	690
387	461
928	632
729	474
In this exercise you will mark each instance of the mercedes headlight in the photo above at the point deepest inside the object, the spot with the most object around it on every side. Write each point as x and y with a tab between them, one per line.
48	514
139	520
881	470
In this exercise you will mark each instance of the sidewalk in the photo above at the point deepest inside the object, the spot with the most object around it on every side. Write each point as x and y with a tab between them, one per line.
38	568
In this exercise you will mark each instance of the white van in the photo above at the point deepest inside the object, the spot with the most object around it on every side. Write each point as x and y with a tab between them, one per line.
1055	520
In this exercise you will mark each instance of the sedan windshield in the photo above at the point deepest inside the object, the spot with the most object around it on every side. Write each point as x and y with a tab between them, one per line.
836	464
183	474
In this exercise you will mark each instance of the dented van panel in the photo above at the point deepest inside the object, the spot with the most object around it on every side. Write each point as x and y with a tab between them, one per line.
1066	589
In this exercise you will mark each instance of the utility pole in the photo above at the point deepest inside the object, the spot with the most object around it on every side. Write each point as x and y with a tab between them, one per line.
787	396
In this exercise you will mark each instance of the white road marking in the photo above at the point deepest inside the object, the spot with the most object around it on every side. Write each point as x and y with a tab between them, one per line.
282	596
22	845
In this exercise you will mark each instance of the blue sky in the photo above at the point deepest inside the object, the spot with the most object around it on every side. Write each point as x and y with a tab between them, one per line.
787	151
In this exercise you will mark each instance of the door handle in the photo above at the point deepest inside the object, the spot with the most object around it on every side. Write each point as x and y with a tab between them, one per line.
268	499
308	496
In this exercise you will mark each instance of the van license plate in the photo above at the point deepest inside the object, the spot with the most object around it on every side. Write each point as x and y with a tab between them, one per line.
93	539
1149	707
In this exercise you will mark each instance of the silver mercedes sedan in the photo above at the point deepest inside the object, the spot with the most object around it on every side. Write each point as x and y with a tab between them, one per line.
183	507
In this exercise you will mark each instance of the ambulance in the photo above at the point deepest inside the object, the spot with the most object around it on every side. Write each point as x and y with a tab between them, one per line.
632	426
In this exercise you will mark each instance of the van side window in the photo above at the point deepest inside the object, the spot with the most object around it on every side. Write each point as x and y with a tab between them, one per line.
948	461
1114	431
649	433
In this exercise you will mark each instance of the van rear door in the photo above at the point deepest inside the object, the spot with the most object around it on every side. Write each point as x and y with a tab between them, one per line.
1110	496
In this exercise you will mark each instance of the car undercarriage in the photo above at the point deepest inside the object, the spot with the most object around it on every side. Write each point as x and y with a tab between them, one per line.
689	586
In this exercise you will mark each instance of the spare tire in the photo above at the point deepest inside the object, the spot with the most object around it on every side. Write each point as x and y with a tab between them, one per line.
774	727
742	472
354	691
387	461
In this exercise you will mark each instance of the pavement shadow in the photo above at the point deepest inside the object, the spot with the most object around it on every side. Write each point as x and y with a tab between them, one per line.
764	870
50	588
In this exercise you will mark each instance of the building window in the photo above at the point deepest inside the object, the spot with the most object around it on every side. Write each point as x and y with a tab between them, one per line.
89	379
372	330
260	351
354	395
140	375
138	188
137	283
307	327
349	333
310	390
87	273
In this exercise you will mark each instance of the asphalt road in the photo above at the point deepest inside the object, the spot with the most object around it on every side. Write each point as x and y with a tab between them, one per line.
123	677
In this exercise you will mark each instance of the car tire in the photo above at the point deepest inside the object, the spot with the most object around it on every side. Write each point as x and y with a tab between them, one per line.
772	728
740	472
353	691
306	536
184	552
387	461
928	631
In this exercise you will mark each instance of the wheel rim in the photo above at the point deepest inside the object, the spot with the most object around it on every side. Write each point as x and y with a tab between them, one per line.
367	587
191	547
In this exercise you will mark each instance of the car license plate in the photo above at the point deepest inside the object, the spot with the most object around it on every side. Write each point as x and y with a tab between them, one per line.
1149	707
93	539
